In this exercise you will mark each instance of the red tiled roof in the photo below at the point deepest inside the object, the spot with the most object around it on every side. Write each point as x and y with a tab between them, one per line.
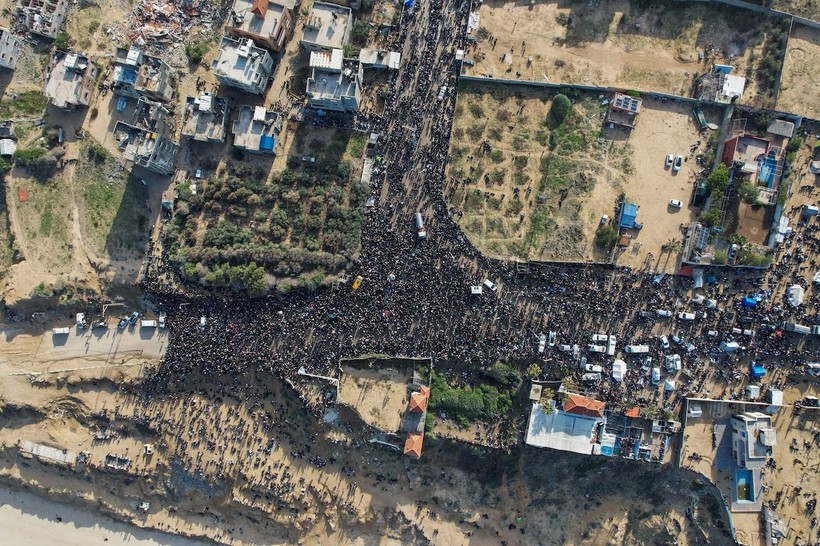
634	411
412	447
259	7
418	400
580	405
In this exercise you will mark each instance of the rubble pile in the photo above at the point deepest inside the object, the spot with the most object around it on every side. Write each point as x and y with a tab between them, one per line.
157	24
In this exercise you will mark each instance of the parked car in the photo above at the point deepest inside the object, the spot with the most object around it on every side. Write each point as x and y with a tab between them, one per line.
133	318
677	339
675	204
678	163
669	160
593	368
122	323
664	341
552	338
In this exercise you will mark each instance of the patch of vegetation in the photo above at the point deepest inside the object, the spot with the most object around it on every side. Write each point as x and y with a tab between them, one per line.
62	41
606	236
195	51
561	106
302	228
748	192
355	146
360	33
503	374
467	405
774	51
476	110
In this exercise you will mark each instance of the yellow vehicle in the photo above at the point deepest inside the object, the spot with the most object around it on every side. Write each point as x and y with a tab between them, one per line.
358	282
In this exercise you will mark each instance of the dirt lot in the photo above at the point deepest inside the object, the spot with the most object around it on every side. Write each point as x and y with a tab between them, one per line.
525	200
809	9
610	43
796	465
380	396
799	88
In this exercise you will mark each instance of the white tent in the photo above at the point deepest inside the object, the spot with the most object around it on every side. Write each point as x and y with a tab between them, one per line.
669	385
729	346
796	295
753	391
618	370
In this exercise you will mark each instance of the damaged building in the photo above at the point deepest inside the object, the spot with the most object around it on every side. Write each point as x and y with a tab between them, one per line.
9	49
137	74
205	118
41	17
147	139
70	79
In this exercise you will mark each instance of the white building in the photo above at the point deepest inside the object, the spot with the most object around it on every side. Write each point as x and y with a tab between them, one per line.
327	27
256	130
243	65
333	84
9	49
753	439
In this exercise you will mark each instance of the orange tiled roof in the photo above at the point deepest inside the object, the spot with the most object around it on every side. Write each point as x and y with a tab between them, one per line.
412	447
581	405
418	402
259	7
634	411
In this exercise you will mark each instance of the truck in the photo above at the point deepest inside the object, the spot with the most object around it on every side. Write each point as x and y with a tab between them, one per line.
162	317
610	346
421	231
148	323
636	349
795	328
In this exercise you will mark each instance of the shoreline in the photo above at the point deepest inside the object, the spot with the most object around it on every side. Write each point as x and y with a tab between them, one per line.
29	519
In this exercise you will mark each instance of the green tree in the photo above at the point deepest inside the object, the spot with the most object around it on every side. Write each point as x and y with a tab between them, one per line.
718	179
672	245
360	33
533	370
607	236
711	217
561	105
61	41
748	192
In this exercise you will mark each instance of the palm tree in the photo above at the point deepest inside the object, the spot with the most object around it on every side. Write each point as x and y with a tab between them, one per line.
672	245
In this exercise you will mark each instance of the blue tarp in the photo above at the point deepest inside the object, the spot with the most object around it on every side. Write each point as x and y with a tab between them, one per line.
267	143
749	302
408	3
711	279
629	212
121	102
758	371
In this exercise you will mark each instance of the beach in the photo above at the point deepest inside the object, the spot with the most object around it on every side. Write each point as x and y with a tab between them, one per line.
29	520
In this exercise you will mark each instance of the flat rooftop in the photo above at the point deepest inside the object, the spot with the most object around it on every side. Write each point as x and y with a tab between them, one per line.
749	148
65	82
205	117
326	26
240	60
331	84
560	430
252	126
262	25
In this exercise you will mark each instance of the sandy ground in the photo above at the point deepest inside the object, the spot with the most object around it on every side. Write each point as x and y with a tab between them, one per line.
606	44
380	396
799	86
618	161
797	465
29	520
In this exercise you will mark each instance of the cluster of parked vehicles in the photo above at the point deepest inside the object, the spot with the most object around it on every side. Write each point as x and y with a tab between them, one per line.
122	324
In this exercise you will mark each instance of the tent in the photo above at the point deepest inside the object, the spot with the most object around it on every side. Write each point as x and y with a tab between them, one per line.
796	294
629	212
668	385
749	302
816	279
758	371
618	370
753	391
729	346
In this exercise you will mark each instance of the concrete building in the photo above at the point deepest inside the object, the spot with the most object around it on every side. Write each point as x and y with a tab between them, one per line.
623	110
147	139
268	24
9	49
327	27
70	79
205	118
256	130
243	65
753	439
379	58
136	74
42	17
333	84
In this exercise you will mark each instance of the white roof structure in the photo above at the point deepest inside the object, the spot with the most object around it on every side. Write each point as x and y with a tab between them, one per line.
776	396
332	60
669	385
781	127
47	452
618	370
732	86
560	430
796	295
816	278
378	58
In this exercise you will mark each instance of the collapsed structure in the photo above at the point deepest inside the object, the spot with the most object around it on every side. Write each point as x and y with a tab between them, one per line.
41	17
147	140
138	74
205	118
70	80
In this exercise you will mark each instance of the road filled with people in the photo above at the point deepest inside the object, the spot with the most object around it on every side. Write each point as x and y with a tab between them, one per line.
437	296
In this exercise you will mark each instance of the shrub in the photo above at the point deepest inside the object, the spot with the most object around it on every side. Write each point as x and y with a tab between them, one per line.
503	374
195	51
360	33
606	236
27	156
748	192
560	108
710	217
61	41
720	257
718	179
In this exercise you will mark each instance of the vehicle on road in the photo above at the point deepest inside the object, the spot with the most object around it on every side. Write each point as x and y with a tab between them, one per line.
542	343
552	338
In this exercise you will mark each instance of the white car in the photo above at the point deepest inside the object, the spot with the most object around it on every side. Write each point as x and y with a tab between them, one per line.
675	204
664	342
542	343
552	338
669	160
678	163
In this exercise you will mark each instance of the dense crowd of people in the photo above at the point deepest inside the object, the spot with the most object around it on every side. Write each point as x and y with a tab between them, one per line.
415	298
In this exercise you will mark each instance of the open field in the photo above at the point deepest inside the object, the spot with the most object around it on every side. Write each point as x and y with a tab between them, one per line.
796	463
799	87
809	9
613	43
379	395
538	192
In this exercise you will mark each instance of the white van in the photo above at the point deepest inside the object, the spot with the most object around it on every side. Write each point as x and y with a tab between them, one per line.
63	331
542	343
610	346
664	313
599	337
490	285
656	376
637	349
162	317
593	368
591	378
686	316
420	229
596	348
148	324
